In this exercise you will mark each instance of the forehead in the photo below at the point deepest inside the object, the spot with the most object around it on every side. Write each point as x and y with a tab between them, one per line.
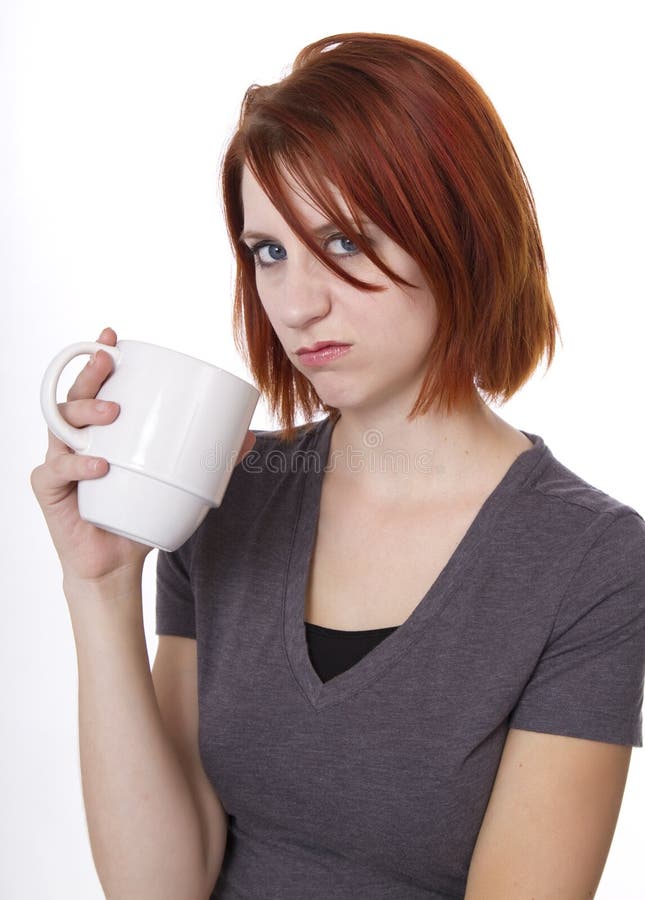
257	204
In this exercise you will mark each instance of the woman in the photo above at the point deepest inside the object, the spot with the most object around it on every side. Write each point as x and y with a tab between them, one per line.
404	658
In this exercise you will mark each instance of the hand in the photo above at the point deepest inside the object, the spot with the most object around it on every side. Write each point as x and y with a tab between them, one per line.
86	552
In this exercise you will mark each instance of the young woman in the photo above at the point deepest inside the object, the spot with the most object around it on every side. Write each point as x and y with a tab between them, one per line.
404	658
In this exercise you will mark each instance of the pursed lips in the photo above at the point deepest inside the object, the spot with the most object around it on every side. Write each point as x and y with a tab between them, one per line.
320	345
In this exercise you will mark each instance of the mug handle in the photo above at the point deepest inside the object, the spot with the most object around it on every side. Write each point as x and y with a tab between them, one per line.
76	438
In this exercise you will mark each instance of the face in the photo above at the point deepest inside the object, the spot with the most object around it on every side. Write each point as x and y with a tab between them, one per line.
388	331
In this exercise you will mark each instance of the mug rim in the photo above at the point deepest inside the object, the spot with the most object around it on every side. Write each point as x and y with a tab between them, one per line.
196	359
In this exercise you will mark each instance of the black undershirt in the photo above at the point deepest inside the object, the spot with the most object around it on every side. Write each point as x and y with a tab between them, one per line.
332	652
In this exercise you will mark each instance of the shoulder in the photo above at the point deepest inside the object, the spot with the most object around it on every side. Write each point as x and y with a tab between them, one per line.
558	483
578	557
556	501
600	541
566	544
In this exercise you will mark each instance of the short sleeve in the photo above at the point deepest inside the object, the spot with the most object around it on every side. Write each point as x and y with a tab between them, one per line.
588	682
175	606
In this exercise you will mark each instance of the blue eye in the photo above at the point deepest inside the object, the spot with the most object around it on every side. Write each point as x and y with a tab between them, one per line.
347	247
267	254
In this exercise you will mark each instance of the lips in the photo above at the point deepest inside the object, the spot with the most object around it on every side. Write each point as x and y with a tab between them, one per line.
327	354
319	346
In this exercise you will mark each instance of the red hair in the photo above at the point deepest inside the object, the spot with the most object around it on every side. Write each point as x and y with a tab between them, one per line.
410	140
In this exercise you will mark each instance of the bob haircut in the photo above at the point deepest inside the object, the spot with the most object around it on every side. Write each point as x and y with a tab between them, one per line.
410	141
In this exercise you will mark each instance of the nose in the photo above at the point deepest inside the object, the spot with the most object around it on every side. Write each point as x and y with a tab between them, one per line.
307	290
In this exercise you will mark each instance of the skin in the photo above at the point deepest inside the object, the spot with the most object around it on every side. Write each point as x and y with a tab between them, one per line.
377	382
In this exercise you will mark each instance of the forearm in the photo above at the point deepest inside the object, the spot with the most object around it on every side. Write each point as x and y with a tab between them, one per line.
143	824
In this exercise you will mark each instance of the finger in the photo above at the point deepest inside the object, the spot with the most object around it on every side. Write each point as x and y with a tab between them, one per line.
80	413
107	336
51	482
76	467
95	372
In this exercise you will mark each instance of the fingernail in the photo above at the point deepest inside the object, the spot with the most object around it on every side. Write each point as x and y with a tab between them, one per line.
92	361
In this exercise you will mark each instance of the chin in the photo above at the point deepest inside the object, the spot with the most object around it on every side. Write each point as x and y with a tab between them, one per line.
337	400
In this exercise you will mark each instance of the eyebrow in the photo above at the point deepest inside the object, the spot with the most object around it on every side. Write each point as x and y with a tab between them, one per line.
261	236
252	236
322	230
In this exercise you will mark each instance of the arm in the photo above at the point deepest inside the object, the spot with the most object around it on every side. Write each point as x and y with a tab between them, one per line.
152	833
550	819
156	829
174	675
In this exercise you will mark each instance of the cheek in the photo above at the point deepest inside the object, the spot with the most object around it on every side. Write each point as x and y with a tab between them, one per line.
423	310
274	320
267	303
408	328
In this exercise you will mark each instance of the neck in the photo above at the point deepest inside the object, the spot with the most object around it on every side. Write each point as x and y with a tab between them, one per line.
386	456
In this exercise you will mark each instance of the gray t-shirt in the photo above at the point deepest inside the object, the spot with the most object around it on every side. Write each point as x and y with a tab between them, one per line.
374	784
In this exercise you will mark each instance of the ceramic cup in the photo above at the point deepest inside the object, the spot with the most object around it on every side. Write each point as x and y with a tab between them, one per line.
172	449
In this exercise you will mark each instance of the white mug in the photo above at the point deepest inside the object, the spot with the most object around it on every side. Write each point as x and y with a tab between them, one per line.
172	448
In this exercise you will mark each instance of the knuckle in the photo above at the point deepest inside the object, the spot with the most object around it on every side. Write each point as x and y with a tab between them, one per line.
41	477
51	467
35	477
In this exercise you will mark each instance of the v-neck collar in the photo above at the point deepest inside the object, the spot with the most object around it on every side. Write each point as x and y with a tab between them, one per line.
318	693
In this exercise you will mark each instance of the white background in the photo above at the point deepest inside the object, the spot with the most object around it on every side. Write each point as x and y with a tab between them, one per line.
114	119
